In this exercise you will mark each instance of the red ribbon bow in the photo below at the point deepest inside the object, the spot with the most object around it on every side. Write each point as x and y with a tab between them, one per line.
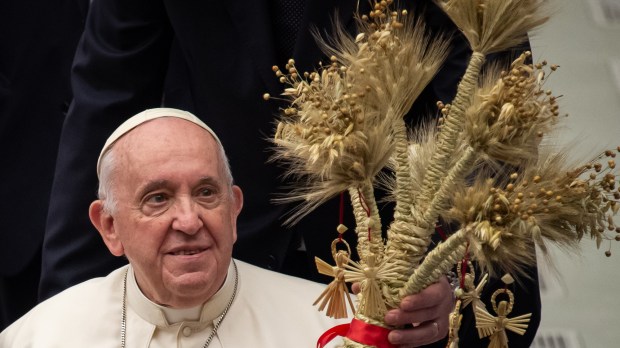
360	332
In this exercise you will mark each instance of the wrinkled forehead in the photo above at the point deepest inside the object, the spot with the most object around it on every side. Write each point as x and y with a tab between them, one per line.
146	116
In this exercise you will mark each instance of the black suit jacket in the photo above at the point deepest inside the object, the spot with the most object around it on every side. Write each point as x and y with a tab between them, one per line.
37	43
213	59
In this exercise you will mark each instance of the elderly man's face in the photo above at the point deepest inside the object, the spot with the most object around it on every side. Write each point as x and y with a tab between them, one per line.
176	213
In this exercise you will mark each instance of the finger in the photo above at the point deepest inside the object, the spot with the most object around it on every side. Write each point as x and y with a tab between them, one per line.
410	311
434	295
397	317
425	333
355	287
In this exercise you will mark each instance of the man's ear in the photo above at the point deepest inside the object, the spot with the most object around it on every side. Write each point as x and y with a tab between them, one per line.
104	223
237	204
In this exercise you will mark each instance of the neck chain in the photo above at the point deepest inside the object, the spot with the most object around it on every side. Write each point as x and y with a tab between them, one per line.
215	326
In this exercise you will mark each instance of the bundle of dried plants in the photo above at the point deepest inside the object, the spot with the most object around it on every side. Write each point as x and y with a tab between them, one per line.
345	124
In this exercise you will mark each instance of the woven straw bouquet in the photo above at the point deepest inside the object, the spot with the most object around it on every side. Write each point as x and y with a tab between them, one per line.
345	125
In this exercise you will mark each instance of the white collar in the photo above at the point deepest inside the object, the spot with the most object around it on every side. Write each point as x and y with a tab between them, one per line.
201	316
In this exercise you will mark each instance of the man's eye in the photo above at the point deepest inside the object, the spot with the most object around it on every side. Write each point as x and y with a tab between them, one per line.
208	196
156	199
155	203
206	192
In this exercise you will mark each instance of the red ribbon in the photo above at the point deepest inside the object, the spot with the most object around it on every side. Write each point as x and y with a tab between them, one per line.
340	330
360	332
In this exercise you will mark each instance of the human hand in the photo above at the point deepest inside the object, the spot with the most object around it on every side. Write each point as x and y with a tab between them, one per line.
424	316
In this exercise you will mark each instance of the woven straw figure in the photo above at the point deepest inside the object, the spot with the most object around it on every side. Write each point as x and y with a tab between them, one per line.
470	293
455	325
496	326
336	296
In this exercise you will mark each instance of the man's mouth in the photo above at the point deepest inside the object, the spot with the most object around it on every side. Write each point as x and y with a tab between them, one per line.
187	252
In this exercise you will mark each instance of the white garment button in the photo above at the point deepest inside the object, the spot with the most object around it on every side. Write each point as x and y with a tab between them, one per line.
187	331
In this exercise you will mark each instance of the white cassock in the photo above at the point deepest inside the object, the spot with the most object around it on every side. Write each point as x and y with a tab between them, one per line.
271	310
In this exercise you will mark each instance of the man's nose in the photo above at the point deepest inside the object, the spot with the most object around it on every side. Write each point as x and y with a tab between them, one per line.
187	217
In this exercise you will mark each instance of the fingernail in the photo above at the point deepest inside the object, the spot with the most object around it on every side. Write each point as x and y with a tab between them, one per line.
407	305
395	337
390	318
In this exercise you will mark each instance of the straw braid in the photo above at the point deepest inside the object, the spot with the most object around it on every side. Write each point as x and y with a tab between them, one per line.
362	219
451	127
441	198
436	264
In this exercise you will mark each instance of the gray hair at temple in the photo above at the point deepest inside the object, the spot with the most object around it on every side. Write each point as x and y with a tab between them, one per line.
107	163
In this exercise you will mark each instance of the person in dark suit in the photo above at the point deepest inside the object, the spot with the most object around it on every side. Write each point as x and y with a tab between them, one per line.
213	59
37	43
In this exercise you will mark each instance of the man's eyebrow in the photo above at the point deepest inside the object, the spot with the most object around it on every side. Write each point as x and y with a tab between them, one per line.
152	186
208	180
